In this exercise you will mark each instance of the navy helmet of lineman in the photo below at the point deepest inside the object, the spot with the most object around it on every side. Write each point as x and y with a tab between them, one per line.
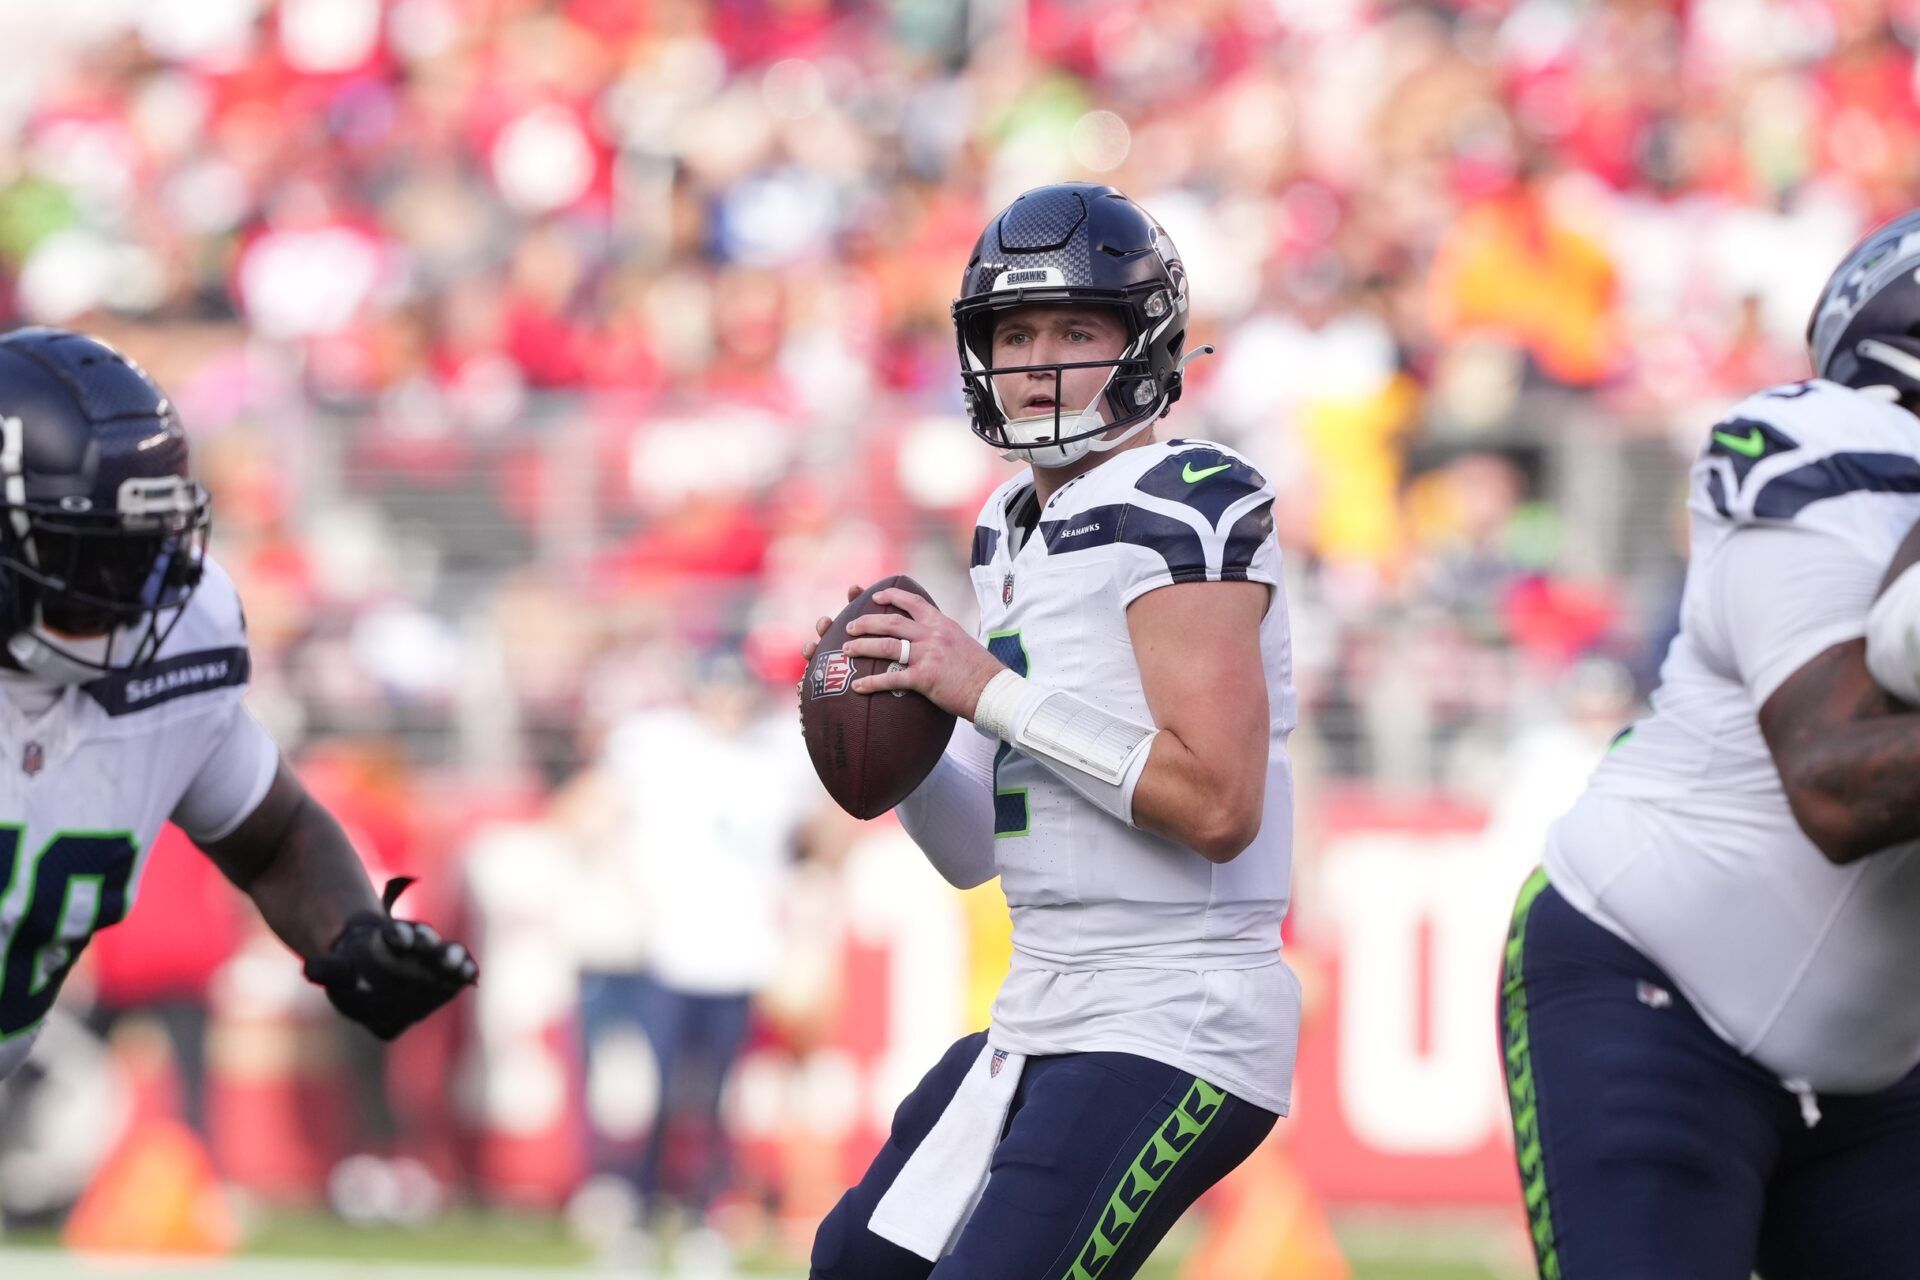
1073	242
104	534
1865	328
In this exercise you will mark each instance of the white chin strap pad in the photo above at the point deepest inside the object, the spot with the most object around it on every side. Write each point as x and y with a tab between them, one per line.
1031	431
46	662
1059	455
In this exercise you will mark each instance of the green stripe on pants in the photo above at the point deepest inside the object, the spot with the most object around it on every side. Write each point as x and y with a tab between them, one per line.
1520	1093
1143	1177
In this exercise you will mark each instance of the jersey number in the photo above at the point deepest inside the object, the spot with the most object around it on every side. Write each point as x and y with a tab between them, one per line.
79	885
1010	812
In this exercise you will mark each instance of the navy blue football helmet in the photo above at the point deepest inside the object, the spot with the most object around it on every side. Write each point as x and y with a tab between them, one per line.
1865	329
1082	243
102	531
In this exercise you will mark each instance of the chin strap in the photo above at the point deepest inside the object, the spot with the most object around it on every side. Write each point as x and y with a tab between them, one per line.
1104	444
1206	349
1896	355
1087	419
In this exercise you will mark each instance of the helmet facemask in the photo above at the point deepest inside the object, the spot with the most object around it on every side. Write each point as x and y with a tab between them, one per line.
1083	245
1130	399
99	593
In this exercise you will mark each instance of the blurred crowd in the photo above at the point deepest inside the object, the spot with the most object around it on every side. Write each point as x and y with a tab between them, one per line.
533	345
538	351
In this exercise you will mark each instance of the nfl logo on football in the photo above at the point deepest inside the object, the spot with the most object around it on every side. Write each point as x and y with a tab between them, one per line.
832	674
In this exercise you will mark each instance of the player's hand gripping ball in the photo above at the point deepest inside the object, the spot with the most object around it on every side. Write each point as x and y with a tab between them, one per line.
875	726
387	974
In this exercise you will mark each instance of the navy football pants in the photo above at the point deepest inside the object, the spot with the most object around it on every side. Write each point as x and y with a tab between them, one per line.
1650	1150
1102	1153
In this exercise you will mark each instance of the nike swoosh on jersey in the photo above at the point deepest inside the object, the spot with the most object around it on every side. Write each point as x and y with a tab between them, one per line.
1753	444
1191	476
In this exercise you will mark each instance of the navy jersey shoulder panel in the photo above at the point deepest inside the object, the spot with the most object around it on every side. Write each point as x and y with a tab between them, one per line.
1094	527
1745	441
1175	540
1717	494
1207	479
127	692
1837	474
1244	541
985	542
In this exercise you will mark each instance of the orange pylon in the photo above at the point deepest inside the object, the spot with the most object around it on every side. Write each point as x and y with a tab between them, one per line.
156	1194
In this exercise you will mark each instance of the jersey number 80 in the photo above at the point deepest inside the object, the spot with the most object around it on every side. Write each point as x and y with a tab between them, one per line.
79	886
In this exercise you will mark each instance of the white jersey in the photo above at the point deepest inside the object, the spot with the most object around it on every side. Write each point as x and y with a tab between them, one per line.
1684	844
89	773
1124	941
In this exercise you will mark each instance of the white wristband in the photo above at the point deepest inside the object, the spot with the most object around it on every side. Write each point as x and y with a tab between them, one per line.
1893	637
998	711
1056	727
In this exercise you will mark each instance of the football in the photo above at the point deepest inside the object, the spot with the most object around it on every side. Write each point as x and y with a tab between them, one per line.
870	750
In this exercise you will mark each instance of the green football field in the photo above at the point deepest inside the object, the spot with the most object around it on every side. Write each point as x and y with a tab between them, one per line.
506	1247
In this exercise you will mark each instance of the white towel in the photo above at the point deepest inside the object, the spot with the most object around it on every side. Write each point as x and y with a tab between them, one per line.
934	1193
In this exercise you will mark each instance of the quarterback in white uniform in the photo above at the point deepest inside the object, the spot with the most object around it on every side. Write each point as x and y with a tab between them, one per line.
121	675
1709	1000
1121	766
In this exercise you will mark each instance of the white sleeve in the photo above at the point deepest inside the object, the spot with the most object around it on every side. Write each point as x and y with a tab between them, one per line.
950	814
231	782
1784	596
1893	637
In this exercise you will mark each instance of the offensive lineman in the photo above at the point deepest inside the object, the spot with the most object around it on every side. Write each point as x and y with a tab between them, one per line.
1710	1018
1125	774
121	674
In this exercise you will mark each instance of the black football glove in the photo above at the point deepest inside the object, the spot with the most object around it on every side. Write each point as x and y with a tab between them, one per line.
387	974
